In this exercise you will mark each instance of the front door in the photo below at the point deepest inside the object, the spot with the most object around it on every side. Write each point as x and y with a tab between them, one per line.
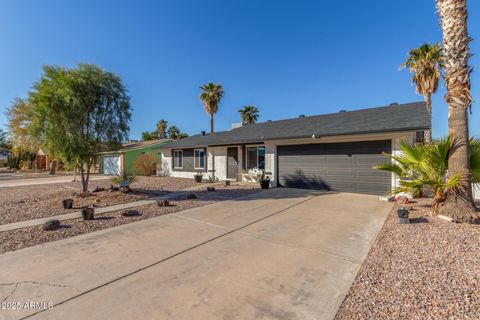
232	163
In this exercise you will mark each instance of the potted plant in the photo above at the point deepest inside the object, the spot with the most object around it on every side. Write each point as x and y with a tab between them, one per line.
264	181
402	211
198	177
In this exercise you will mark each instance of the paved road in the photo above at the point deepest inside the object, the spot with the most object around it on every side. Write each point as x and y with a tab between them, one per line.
281	254
18	182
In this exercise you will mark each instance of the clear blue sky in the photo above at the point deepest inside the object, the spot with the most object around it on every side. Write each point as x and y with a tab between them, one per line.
287	57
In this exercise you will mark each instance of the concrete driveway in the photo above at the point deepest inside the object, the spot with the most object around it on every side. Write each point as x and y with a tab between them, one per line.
280	254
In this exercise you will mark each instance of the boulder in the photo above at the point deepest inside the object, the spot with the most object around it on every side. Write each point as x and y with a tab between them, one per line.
51	225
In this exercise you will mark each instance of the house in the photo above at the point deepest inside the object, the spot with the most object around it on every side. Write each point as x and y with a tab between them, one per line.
113	162
332	151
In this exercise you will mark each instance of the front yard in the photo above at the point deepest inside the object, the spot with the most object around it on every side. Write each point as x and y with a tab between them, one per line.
25	203
38	201
426	270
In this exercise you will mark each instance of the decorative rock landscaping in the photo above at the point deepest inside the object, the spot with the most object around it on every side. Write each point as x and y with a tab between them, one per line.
428	269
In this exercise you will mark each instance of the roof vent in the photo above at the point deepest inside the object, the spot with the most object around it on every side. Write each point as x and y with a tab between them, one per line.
341	111
268	121
301	116
394	104
203	133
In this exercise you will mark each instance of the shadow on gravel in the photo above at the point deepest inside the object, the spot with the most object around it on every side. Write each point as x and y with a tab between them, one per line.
419	220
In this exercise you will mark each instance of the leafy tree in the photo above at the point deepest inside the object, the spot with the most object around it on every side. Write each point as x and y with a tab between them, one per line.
162	128
173	132
210	96
453	19
427	164
23	145
424	63
80	111
249	114
182	135
4	140
148	136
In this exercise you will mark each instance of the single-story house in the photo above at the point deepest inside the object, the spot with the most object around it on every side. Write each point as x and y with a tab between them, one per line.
332	151
113	162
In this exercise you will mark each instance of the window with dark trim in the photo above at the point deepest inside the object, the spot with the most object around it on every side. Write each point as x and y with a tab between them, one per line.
199	158
178	159
256	157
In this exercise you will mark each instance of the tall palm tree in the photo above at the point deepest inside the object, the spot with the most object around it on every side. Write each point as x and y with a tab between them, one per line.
162	128
211	95
453	20
424	63
249	114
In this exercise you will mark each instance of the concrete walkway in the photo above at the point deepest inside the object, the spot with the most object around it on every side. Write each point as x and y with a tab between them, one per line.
48	180
279	254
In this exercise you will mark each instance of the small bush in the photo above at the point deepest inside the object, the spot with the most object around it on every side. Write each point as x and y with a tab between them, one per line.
145	164
124	176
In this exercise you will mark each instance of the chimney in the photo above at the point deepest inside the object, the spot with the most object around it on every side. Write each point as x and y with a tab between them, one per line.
203	133
301	116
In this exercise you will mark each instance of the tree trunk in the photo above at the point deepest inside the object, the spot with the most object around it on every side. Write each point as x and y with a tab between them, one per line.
428	104
53	167
84	181
211	123
459	203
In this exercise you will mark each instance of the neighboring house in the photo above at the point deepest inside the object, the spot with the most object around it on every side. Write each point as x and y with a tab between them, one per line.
332	151
113	162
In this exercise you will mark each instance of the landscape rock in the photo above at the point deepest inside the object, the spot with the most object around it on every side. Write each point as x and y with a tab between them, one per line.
51	225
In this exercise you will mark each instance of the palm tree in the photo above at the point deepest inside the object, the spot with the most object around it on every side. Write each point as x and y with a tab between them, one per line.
453	19
211	95
173	132
424	63
427	164
162	128
249	114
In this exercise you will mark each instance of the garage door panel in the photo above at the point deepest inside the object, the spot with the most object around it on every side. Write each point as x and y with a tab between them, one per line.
345	167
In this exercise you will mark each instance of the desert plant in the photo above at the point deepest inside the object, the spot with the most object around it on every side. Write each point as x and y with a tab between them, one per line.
145	164
420	165
125	176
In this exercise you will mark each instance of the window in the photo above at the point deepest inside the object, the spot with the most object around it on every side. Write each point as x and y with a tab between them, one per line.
178	159
199	158
256	157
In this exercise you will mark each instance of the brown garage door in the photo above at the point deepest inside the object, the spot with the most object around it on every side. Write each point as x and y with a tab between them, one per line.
345	167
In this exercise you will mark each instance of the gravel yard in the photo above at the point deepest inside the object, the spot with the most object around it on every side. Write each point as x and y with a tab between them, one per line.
30	236
38	201
426	270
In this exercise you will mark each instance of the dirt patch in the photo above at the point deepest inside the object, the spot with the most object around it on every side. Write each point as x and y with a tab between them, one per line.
428	269
38	201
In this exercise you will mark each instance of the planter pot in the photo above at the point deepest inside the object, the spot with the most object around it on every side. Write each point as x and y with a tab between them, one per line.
198	178
264	183
67	203
87	214
403	216
402	213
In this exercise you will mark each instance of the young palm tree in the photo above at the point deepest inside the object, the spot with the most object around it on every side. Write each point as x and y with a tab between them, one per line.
453	20
249	114
427	164
211	95
162	128
424	63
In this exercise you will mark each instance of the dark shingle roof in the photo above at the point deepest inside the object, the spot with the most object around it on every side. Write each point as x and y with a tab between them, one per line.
411	116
